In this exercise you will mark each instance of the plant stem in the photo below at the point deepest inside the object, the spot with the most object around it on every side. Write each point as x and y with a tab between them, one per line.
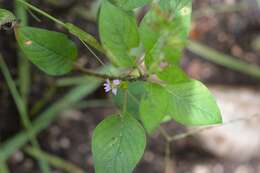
167	158
165	134
42	121
53	160
125	101
42	12
24	65
22	110
224	60
88	72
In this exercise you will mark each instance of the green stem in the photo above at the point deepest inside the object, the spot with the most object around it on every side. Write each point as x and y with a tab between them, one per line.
76	95
42	102
24	65
24	80
125	102
22	109
224	60
53	160
42	12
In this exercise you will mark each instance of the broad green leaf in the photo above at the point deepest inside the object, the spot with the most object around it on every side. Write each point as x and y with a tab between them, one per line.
6	17
118	144
151	115
135	92
189	103
180	12
153	108
129	4
173	75
164	31
51	51
118	33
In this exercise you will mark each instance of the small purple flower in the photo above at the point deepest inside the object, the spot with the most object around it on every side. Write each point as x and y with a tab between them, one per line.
107	86
112	86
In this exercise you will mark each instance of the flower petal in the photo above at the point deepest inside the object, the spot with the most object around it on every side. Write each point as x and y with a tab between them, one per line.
107	90
116	82
114	91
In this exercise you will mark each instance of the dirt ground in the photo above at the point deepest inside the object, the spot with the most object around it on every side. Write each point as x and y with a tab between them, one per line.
70	136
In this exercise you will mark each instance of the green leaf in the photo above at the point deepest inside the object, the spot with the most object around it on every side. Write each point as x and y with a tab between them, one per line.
135	92
173	75
119	34
129	4
118	144
164	31
6	17
153	109
84	36
51	51
189	103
